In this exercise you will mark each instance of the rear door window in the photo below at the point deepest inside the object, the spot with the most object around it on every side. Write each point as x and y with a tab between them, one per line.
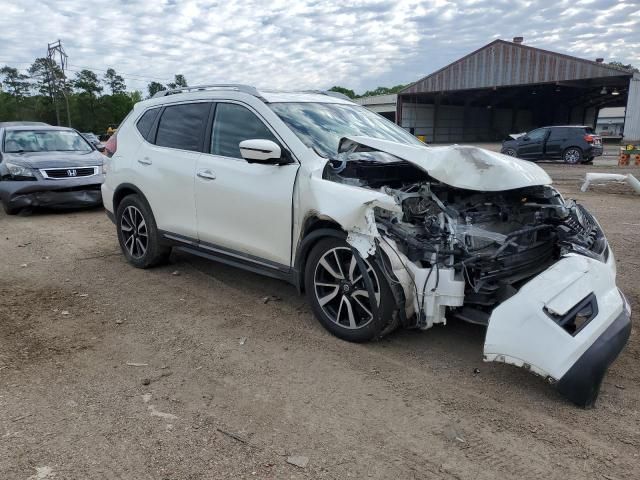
183	126
558	133
146	121
233	124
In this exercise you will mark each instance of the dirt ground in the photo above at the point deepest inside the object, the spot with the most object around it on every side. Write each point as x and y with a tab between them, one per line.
184	372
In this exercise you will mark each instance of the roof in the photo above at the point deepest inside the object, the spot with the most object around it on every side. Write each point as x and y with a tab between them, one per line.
501	63
42	126
20	123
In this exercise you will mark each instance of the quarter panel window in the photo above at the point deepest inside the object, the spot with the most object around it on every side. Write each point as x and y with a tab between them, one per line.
182	126
233	124
146	122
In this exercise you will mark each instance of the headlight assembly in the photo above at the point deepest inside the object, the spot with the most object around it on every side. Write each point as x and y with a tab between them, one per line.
18	172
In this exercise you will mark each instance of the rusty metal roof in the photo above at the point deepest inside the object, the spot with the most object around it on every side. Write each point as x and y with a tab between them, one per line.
502	63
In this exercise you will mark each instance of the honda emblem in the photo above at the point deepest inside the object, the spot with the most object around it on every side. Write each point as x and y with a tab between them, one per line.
71	173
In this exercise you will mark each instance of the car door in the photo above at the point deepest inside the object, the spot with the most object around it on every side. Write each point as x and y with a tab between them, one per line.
531	145
166	165
243	208
557	138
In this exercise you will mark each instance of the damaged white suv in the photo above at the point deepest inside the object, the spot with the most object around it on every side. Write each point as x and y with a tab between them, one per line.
378	229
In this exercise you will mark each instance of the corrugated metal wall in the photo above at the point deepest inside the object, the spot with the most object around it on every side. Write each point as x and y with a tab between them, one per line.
632	115
504	63
479	124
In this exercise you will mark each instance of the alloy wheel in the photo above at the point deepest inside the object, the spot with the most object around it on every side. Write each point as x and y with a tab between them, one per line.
341	290
572	156
134	232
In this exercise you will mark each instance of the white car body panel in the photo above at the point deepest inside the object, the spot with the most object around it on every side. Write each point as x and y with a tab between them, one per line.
247	207
521	334
465	166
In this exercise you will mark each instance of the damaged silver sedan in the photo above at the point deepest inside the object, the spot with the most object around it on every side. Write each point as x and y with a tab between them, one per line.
47	166
379	230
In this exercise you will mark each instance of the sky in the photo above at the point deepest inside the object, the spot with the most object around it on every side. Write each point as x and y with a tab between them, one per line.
304	44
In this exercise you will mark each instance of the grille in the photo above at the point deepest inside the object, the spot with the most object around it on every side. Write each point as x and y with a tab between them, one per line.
71	172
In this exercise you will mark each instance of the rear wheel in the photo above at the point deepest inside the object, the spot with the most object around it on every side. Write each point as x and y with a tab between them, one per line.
337	290
572	155
138	234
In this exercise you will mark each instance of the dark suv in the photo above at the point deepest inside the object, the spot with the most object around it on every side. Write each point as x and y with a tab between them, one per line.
573	144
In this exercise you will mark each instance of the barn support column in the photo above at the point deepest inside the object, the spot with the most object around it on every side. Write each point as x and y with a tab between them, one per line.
632	112
436	107
466	119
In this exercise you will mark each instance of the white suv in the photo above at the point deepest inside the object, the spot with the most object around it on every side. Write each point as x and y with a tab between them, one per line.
378	229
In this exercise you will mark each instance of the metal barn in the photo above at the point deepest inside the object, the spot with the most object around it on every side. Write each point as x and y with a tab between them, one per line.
507	87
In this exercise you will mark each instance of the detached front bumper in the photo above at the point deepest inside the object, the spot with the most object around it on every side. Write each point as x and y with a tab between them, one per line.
72	193
581	383
536	329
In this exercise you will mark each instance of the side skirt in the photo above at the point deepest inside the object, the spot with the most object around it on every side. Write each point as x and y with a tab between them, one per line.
230	257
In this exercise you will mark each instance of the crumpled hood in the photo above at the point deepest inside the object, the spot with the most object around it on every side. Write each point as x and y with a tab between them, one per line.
464	166
55	159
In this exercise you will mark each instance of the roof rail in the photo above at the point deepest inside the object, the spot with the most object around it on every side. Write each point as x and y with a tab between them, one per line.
238	87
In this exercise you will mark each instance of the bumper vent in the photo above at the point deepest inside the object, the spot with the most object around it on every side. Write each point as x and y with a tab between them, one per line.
578	317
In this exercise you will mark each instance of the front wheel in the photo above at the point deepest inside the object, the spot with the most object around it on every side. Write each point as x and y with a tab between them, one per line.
337	290
10	210
511	152
572	155
138	234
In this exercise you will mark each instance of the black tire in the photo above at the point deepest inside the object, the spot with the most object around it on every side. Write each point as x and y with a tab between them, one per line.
572	155
357	322
138	233
10	210
510	152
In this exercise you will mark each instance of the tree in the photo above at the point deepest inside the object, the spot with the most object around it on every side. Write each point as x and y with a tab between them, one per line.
14	82
178	82
135	96
344	91
114	81
155	87
47	75
383	91
87	82
628	66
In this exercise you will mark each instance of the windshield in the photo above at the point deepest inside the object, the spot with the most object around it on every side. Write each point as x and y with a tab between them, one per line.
322	125
17	141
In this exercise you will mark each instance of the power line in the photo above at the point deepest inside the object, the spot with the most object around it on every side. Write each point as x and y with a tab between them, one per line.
130	76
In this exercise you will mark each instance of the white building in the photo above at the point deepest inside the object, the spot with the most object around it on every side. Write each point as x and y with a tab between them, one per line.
610	122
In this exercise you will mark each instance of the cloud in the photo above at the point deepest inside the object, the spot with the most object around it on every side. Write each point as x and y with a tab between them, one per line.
306	44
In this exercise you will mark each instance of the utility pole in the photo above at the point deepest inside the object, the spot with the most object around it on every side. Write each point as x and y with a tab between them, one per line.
55	50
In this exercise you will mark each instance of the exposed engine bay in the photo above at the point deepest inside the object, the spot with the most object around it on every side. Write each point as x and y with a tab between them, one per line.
463	251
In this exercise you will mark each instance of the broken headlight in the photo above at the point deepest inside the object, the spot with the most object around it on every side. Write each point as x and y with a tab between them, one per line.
18	172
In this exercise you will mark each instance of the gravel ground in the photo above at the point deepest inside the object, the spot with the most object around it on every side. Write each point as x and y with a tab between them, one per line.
196	370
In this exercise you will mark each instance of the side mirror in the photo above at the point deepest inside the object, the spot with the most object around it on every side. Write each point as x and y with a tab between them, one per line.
526	138
256	150
100	148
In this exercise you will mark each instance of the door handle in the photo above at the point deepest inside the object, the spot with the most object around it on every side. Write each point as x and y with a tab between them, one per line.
206	174
145	161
